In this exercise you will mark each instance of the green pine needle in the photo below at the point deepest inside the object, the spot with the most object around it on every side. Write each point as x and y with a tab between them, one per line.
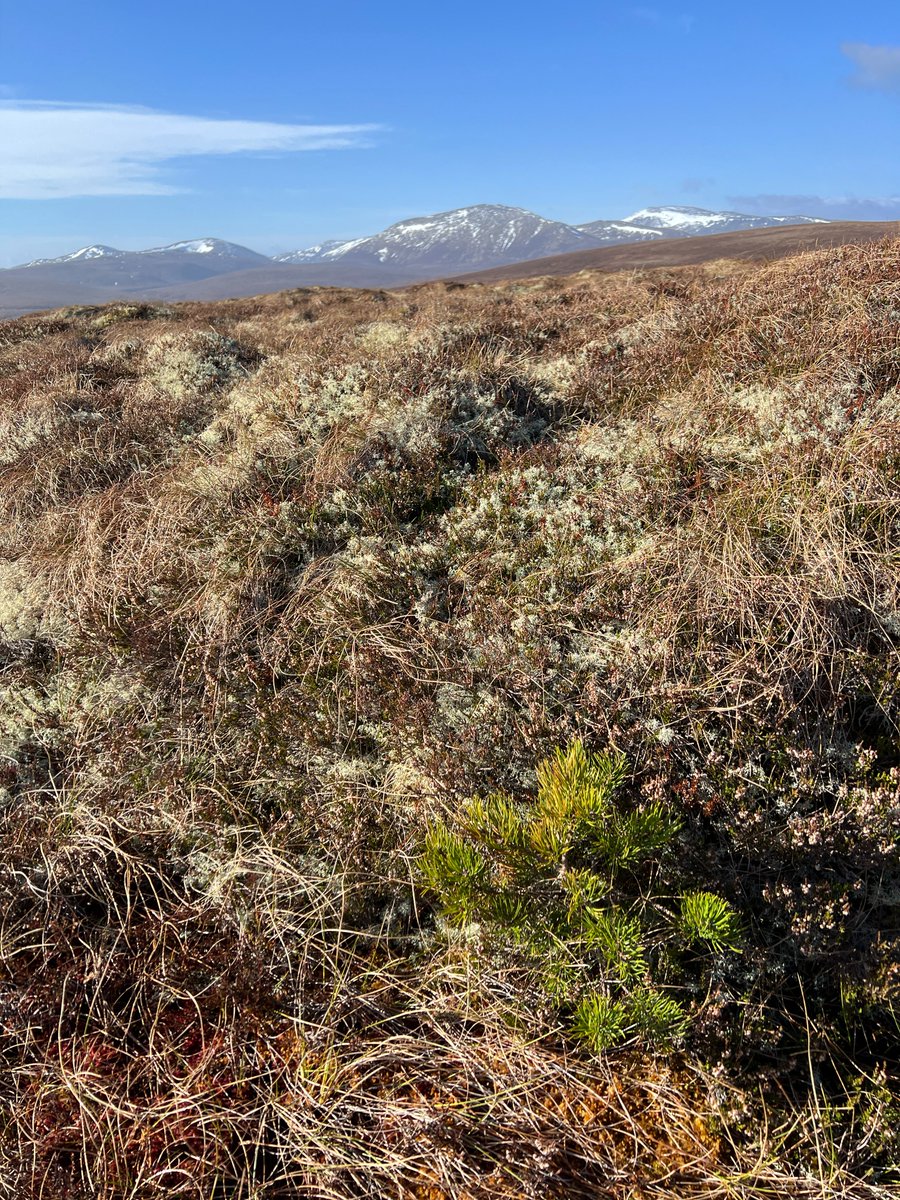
705	917
600	1022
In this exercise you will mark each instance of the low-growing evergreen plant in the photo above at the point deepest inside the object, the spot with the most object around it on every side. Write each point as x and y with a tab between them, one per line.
575	883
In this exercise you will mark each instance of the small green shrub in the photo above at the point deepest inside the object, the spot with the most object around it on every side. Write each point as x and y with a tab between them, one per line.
706	917
575	882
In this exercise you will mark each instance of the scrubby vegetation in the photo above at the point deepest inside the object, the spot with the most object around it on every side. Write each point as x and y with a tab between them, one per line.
449	741
553	879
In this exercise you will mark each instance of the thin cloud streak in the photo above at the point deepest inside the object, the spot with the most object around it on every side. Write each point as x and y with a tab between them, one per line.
56	151
877	67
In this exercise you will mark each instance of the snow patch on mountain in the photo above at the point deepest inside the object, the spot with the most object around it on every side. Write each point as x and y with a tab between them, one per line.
677	218
84	254
310	254
614	233
686	221
339	249
206	246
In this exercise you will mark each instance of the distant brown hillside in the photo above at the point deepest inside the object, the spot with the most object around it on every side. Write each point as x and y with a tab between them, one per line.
748	244
31	289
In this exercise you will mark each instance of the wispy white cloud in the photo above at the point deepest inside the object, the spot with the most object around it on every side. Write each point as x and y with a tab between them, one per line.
832	208
50	150
877	67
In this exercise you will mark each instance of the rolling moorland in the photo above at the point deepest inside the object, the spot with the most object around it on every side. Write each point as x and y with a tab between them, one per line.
449	740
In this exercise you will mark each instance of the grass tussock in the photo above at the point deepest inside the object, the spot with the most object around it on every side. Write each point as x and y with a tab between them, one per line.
301	599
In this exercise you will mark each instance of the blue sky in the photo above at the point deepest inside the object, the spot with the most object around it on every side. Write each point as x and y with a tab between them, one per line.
280	124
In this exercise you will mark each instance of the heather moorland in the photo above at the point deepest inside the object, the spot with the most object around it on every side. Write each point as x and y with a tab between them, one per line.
449	740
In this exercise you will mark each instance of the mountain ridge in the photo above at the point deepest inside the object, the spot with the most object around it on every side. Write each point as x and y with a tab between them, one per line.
674	220
536	233
209	248
457	242
647	223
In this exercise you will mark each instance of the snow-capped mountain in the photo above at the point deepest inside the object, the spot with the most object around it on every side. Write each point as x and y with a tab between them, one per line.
312	253
489	235
211	248
85	254
685	221
484	233
461	241
474	238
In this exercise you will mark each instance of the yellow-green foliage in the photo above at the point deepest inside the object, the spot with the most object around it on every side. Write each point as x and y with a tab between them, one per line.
566	878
